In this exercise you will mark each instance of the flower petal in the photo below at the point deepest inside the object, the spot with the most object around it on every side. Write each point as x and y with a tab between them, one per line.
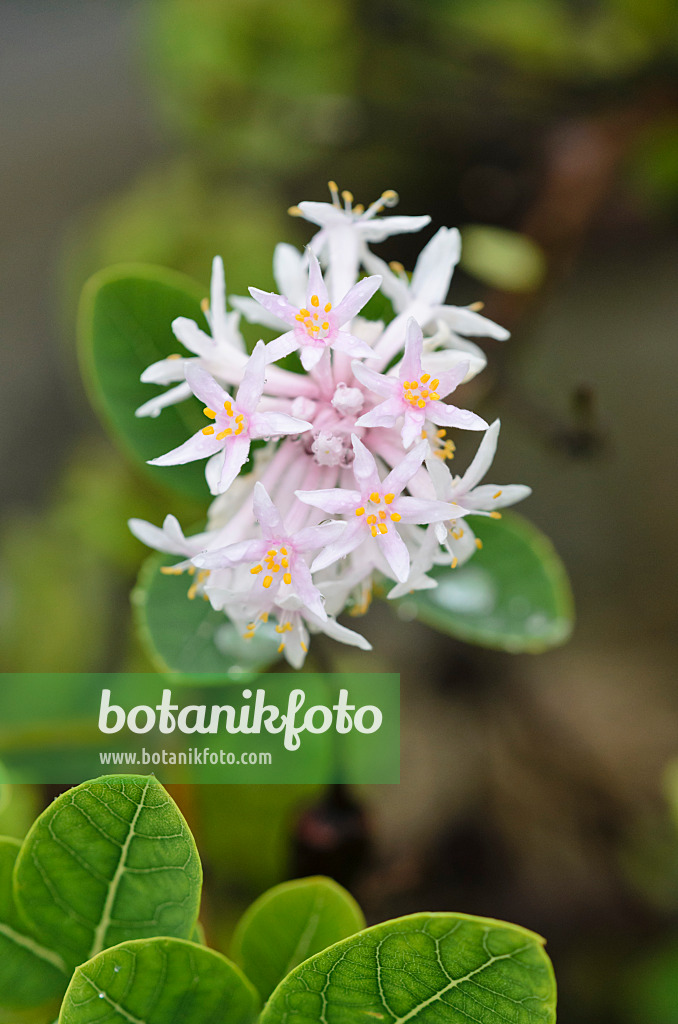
352	537
170	397
435	264
235	457
405	470
281	347
276	424
200	446
377	382
204	387
276	304
449	416
355	298
394	550
335	500
364	467
420	510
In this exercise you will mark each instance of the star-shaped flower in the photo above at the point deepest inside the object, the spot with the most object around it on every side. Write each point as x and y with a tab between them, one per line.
236	422
415	395
277	563
316	326
377	508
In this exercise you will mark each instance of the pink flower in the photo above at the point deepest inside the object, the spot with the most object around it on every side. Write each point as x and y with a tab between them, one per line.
317	325
377	509
415	395
236	423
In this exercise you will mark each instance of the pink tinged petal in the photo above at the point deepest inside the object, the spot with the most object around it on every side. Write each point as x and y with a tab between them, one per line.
189	334
394	550
482	460
410	368
352	537
218	322
276	304
231	555
204	387
364	467
355	299
155	405
275	424
356	347
413	424
484	497
377	382
289	271
405	470
253	379
334	500
466	321
305	588
166	371
449	416
200	446
255	313
392	286
316	285
266	512
434	266
383	415
282	346
313	537
213	471
235	457
310	354
166	539
345	636
451	379
418	510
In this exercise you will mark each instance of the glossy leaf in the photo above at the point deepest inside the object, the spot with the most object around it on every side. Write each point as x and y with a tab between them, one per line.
514	594
110	860
289	924
189	636
124	325
33	978
426	968
159	981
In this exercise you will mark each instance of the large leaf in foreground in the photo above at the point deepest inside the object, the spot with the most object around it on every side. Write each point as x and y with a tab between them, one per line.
112	859
514	594
189	636
159	981
32	977
124	325
427	968
289	924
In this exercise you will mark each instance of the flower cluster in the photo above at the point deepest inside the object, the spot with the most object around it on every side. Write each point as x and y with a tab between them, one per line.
351	477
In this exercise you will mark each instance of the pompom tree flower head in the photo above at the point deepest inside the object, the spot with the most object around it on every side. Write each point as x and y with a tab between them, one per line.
350	481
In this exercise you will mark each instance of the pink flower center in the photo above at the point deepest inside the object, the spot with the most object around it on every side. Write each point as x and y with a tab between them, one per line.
315	321
230	422
376	515
419	392
276	560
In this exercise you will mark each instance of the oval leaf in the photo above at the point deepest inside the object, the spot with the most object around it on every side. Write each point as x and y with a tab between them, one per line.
159	981
189	636
124	325
290	923
110	860
427	968
32	977
514	594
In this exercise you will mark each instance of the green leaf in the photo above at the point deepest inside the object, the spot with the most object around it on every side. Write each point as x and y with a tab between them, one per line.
189	636
290	923
110	860
426	968
159	981
32	977
124	325
514	594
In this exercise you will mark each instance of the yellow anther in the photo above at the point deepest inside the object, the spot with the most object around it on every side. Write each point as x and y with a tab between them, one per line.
192	591
294	211
285	563
283	551
299	317
454	563
425	377
347	196
171	570
267	581
390	197
175	355
304	312
191	570
421	402
396	267
205	305
326	326
315	301
396	517
434	396
208	430
388	498
497	495
328	307
424	394
358	208
248	635
281	648
360	511
495	515
275	567
479	543
303	646
228	407
382	514
374	496
211	413
240	428
373	530
280	629
287	578
476	307
434	384
441	433
264	616
224	433
371	519
255	569
251	625
239	418
383	528
272	553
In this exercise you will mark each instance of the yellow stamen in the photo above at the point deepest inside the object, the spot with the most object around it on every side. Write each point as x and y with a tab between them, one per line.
287	578
175	355
228	407
374	496
360	511
255	569
208	430
454	563
267	581
328	307
497	495
281	648
347	196
434	384
315	301
476	307
479	543
396	517
382	514
425	377
303	646
495	515
326	326
294	211
388	498
224	433
371	519
171	570
211	413
373	530
383	528
421	403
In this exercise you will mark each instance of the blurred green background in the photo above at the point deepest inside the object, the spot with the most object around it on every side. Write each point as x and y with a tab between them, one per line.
538	789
